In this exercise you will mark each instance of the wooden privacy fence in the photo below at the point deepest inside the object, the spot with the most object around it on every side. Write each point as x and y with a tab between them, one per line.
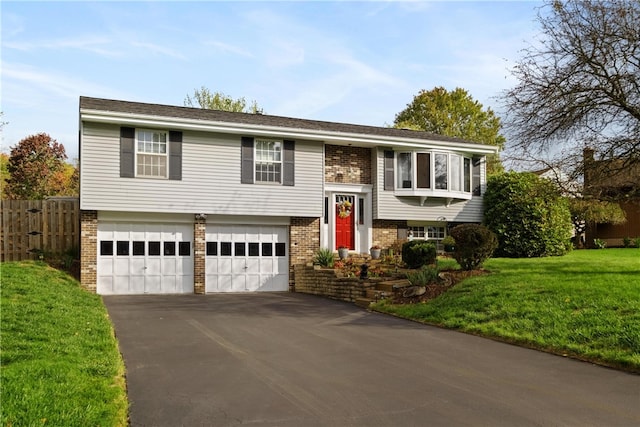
32	226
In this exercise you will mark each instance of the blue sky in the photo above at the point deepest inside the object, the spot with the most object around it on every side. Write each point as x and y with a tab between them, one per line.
354	62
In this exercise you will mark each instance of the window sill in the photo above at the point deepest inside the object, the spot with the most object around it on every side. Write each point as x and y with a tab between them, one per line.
422	195
433	193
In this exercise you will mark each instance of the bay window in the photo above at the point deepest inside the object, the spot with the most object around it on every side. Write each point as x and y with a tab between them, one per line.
428	173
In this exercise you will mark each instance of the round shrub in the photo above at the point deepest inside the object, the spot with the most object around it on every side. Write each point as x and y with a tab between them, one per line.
528	215
474	244
416	253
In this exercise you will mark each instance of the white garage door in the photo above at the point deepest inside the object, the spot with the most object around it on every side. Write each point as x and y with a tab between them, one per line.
247	258
135	258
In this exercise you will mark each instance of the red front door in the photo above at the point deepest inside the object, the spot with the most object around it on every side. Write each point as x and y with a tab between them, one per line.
345	214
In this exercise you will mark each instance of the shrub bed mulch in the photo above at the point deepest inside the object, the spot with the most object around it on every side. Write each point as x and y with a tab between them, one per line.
448	279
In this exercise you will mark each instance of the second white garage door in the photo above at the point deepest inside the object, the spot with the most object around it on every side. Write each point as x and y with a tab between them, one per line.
247	258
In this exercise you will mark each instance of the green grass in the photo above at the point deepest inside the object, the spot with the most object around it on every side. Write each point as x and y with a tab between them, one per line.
59	357
584	305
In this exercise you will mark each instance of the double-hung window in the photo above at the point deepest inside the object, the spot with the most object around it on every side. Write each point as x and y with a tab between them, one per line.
151	154
268	161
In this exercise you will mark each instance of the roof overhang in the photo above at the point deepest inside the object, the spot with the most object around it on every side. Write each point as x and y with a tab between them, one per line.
339	138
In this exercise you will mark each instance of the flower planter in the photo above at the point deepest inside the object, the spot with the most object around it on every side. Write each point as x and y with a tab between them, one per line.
343	253
375	253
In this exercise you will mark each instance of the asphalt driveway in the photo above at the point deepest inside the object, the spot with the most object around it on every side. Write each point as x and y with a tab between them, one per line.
282	359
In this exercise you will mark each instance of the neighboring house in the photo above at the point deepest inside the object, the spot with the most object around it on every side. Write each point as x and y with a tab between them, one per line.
616	180
567	185
184	200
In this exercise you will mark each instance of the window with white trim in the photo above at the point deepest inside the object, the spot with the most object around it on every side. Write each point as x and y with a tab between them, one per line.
151	154
268	161
433	170
416	232
430	232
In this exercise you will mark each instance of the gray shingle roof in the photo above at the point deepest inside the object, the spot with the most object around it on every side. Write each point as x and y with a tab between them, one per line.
128	107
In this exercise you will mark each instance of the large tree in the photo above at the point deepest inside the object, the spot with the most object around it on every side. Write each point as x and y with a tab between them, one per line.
579	85
586	212
36	165
453	113
204	98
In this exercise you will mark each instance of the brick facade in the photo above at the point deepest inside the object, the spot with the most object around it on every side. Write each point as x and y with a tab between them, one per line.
385	232
347	165
89	250
304	241
199	253
324	282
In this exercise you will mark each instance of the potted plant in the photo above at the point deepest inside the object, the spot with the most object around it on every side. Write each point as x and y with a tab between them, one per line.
449	244
343	252
375	251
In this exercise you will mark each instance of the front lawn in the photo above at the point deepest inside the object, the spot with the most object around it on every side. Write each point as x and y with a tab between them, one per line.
60	361
585	305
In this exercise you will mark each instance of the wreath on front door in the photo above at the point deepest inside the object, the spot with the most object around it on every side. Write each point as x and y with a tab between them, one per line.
344	208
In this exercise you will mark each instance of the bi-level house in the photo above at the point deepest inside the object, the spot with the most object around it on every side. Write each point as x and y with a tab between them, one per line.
184	200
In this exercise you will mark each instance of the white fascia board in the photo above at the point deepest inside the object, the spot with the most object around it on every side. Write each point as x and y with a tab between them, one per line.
141	120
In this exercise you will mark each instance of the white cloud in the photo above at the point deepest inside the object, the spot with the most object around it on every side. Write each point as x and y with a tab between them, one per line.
229	48
89	43
158	49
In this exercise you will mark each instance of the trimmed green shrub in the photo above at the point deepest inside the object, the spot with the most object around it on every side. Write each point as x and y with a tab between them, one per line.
324	257
627	242
426	275
474	245
528	215
416	253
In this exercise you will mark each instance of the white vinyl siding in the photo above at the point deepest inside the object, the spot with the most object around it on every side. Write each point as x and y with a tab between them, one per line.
387	205
210	179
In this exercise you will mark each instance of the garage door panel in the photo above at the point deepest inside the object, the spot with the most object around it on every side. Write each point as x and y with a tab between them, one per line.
224	266
105	285
121	267
153	284
246	258
275	283
283	266
184	266
238	266
168	266
224	283
211	266
137	261
168	285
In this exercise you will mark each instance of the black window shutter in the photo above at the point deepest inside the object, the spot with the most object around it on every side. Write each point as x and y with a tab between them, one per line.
175	155
246	172
475	176
288	163
127	152
388	170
